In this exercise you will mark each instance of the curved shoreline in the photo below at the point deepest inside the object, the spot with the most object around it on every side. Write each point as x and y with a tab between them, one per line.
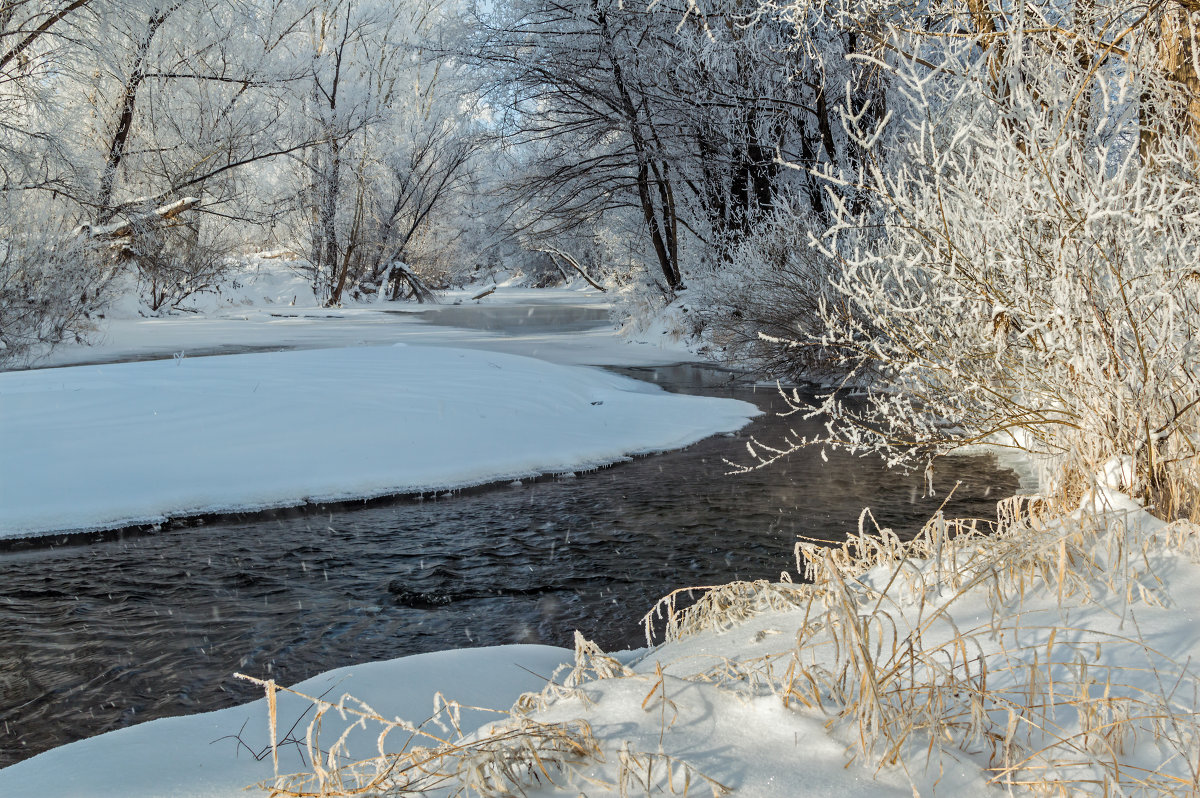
99	448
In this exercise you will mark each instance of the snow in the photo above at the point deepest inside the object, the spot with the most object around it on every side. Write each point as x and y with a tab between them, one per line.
752	745
704	703
1117	474
257	431
199	756
276	310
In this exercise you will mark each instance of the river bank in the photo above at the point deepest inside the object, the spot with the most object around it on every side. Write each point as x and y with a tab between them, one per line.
174	752
102	447
1056	653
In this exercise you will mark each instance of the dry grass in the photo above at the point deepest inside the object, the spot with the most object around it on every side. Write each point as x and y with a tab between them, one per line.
721	607
1044	705
505	758
514	751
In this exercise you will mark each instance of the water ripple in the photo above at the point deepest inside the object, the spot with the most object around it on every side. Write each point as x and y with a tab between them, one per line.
99	636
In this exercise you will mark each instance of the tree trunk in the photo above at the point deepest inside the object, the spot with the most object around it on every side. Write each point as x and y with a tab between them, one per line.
663	235
1177	54
327	222
125	118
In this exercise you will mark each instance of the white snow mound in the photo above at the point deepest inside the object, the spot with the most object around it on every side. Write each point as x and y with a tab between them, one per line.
96	447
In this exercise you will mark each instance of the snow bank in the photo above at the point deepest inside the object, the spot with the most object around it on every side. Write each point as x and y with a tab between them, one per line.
1058	655
95	447
200	756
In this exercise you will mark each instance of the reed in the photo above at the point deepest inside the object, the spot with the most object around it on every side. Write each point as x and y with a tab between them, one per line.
957	644
1048	707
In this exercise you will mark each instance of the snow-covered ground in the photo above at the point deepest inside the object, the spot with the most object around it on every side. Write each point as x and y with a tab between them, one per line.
274	309
1062	650
371	401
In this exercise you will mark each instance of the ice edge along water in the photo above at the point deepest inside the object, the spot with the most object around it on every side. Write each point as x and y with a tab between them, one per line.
101	447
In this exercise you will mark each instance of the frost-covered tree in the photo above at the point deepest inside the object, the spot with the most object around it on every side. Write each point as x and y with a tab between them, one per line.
1025	274
153	137
813	60
36	45
573	77
395	135
110	111
668	119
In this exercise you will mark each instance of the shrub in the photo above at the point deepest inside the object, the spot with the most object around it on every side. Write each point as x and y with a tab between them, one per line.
1035	285
52	285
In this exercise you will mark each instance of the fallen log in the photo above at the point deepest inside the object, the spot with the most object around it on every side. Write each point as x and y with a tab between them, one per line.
121	234
574	264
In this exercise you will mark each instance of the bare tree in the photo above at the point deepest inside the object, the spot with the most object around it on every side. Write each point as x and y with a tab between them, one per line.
395	147
576	80
677	115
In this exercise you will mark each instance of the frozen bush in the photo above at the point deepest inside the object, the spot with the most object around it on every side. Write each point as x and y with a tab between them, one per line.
173	265
766	308
1035	283
51	288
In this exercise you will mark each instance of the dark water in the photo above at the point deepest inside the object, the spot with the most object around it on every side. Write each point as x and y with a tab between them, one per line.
96	636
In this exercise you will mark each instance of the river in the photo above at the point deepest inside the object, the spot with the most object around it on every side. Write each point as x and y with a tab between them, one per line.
101	632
